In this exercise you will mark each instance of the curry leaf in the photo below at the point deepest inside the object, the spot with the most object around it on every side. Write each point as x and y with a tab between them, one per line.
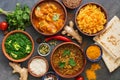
61	64
66	52
72	62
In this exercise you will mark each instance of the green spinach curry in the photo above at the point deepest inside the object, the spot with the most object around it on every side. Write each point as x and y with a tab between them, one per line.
18	45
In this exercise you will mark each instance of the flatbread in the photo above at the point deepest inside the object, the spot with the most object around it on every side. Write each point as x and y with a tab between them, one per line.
109	61
110	42
110	39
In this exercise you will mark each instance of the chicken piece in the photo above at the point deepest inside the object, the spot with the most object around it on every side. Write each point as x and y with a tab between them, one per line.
51	28
38	12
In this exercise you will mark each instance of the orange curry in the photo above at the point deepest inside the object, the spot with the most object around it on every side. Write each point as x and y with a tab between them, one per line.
49	17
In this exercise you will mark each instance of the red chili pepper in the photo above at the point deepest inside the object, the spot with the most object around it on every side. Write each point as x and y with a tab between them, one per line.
58	37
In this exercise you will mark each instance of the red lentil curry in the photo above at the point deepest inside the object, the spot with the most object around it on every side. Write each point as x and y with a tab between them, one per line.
68	59
49	17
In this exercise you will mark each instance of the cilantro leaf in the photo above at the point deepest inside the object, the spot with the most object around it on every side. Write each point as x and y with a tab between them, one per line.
72	62
18	19
56	17
61	64
66	52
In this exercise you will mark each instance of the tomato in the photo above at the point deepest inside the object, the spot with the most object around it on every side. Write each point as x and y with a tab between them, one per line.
79	78
3	25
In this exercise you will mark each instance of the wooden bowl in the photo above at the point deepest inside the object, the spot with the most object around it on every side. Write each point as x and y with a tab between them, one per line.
4	49
70	4
34	18
31	72
79	59
102	10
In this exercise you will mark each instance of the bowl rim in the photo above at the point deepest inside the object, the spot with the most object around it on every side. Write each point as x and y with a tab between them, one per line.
40	57
101	53
53	73
41	1
72	7
47	52
84	60
7	55
102	9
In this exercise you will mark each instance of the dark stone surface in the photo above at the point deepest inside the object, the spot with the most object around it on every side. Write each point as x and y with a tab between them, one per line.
112	7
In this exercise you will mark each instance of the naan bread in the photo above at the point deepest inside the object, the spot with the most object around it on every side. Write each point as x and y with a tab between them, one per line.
110	39
110	42
110	61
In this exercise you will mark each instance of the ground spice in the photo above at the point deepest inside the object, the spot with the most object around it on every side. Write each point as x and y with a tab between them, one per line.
93	52
72	3
90	73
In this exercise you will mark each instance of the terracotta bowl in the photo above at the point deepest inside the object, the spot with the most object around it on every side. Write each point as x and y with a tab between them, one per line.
71	5
37	57
68	46
102	10
33	17
7	55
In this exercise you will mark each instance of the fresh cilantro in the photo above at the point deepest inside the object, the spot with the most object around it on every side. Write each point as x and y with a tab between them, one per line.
72	62
66	52
56	17
61	64
19	18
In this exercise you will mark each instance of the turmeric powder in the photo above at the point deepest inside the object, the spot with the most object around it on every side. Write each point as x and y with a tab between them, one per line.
93	52
90	73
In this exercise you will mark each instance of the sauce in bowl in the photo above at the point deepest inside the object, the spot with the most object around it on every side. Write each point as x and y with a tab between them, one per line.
48	17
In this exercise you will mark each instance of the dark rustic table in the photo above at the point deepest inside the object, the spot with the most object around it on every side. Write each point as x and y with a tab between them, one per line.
112	7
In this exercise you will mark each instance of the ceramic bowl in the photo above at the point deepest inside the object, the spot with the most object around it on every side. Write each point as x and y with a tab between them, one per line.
32	72
94	52
44	49
51	75
58	54
35	20
70	4
4	48
102	10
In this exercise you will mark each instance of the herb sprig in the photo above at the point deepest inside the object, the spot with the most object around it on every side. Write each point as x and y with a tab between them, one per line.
61	64
66	52
18	19
72	62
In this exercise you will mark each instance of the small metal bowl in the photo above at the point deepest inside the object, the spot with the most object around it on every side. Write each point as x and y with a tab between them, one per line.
42	49
50	75
98	58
